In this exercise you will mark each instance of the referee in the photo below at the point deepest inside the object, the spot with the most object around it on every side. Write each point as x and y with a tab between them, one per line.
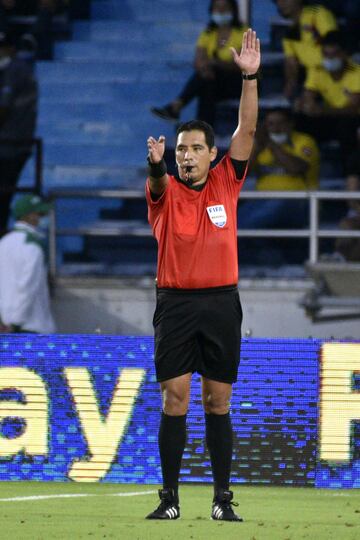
198	314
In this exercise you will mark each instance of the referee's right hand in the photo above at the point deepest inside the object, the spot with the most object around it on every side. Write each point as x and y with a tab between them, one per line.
156	149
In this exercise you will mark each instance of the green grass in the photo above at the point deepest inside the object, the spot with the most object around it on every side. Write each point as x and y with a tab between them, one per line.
270	514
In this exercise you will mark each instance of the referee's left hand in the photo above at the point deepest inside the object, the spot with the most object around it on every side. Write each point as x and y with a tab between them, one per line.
156	149
249	58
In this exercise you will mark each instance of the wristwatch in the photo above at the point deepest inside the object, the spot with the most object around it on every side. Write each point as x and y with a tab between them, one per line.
249	77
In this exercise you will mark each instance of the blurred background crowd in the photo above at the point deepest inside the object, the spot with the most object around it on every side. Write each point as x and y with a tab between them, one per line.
317	108
120	70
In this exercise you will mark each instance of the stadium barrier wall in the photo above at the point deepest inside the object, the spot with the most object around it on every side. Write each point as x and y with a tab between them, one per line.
86	409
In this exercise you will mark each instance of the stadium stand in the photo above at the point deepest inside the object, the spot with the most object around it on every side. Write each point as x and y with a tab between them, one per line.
95	117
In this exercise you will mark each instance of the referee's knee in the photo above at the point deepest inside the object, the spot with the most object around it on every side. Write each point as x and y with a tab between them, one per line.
218	405
175	405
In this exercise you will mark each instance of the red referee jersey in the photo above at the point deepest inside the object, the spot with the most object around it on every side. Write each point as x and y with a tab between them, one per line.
196	231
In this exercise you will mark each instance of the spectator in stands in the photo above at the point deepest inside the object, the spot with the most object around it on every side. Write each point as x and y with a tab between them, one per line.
41	29
283	160
24	292
18	112
330	103
26	49
301	44
216	77
349	13
350	247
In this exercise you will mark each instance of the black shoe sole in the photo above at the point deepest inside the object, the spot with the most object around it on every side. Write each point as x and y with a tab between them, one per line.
162	519
228	520
164	116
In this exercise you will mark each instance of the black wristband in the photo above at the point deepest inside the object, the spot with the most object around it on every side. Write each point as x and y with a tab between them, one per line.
248	77
157	170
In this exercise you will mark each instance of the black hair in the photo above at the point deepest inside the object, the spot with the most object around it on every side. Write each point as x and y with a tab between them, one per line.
236	21
198	125
334	37
285	111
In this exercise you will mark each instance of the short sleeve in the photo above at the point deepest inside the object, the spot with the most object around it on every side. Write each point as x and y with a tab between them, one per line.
225	171
325	21
308	151
203	40
288	48
353	83
155	207
236	38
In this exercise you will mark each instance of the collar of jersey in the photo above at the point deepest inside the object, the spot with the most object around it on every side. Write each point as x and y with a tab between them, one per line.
26	227
194	188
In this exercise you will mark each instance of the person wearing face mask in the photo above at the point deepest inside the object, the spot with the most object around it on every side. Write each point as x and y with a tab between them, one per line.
330	105
301	42
18	113
283	160
24	291
215	77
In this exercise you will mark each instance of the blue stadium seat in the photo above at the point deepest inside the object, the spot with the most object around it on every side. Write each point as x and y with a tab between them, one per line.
137	32
89	71
90	154
111	9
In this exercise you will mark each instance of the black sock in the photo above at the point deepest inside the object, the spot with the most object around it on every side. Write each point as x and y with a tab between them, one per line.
219	440
172	437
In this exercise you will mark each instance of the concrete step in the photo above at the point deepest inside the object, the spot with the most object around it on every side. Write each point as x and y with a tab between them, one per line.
111	9
113	51
87	177
91	154
104	92
88	131
130	33
143	10
119	70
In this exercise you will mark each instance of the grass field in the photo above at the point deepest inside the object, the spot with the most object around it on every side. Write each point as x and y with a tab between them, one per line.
92	511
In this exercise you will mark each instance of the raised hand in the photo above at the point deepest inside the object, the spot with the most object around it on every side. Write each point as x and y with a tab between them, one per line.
156	149
248	59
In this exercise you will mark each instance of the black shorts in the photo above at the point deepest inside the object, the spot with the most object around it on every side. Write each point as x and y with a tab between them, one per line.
198	330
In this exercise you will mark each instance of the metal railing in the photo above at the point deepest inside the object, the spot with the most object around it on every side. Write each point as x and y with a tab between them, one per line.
313	233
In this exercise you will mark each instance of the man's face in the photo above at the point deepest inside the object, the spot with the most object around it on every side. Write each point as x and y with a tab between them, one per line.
333	51
288	8
276	122
192	151
221	6
334	58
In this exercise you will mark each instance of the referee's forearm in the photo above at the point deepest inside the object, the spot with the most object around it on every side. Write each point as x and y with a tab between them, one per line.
248	107
158	177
